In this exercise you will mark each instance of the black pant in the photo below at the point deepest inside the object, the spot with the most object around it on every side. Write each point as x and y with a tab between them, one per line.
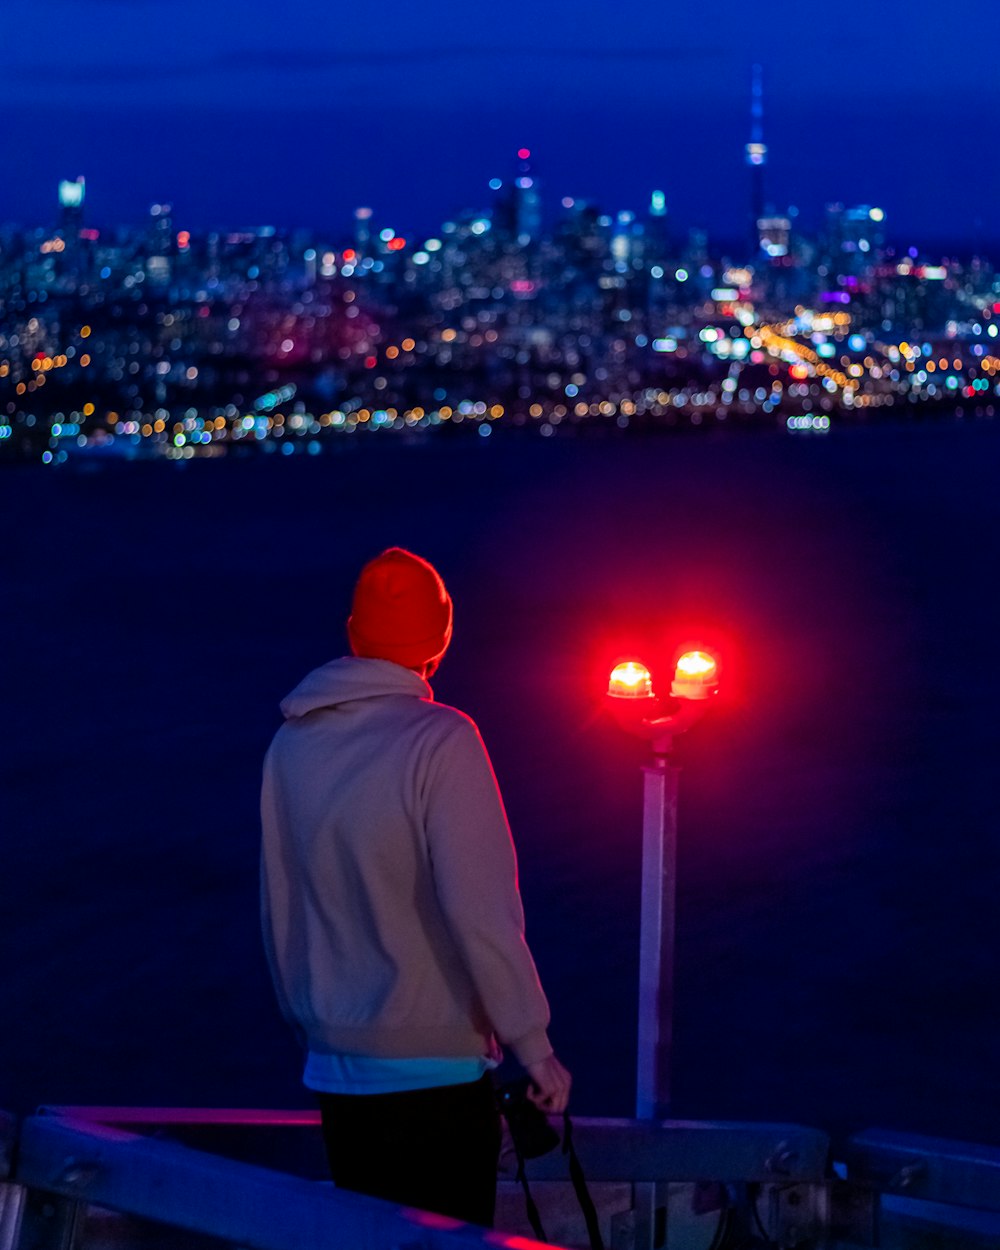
436	1149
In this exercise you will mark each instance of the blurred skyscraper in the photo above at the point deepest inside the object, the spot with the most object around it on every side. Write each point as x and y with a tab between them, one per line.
527	201
756	151
72	192
657	229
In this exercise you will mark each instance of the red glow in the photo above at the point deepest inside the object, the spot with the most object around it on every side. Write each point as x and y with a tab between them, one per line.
350	255
185	1115
430	1219
396	244
512	1243
661	640
183	239
370	362
523	153
90	235
799	371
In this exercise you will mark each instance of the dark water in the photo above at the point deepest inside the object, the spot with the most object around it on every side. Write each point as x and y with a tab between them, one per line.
840	844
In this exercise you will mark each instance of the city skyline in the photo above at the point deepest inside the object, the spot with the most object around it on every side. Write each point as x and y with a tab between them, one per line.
295	119
168	342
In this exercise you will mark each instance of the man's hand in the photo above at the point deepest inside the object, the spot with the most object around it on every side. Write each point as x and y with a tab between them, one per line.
550	1085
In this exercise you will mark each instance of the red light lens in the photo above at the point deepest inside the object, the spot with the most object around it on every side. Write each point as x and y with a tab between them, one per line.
630	680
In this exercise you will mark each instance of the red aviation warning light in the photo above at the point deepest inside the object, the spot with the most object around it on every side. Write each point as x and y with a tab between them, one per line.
637	710
695	677
630	680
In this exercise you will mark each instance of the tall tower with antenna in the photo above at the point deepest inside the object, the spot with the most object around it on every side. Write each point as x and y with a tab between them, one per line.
756	150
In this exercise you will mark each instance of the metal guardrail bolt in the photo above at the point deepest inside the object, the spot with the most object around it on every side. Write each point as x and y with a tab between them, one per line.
781	1161
77	1173
906	1176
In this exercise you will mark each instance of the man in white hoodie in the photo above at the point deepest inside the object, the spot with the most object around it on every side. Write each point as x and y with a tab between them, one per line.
391	914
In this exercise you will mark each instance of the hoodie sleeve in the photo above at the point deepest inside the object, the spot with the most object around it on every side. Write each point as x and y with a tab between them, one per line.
475	875
275	894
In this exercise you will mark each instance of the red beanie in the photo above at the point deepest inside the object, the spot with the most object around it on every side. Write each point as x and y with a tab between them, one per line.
401	611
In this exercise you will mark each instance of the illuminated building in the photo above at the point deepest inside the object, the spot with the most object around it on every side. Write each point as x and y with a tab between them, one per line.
855	237
864	231
657	230
756	149
527	201
159	265
774	235
624	239
695	260
72	192
362	230
160	229
658	205
582	235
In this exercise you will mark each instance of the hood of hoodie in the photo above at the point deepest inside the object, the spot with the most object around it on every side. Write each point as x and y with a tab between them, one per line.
350	678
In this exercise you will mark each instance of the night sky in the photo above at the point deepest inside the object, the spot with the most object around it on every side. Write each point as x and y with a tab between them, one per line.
292	114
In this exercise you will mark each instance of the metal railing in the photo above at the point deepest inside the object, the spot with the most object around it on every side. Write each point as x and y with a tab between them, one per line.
682	1185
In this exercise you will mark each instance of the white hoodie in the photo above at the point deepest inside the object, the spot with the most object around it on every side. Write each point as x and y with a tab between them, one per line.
392	920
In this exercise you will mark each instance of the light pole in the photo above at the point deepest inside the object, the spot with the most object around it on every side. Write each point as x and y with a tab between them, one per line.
637	709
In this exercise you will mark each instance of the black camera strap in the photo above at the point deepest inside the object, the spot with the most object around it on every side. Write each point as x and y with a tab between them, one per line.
579	1182
534	1219
580	1187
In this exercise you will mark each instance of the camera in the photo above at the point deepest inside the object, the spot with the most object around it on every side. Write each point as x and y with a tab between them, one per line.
532	1133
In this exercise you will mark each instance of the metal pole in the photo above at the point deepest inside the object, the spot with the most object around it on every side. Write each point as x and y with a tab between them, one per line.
656	943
